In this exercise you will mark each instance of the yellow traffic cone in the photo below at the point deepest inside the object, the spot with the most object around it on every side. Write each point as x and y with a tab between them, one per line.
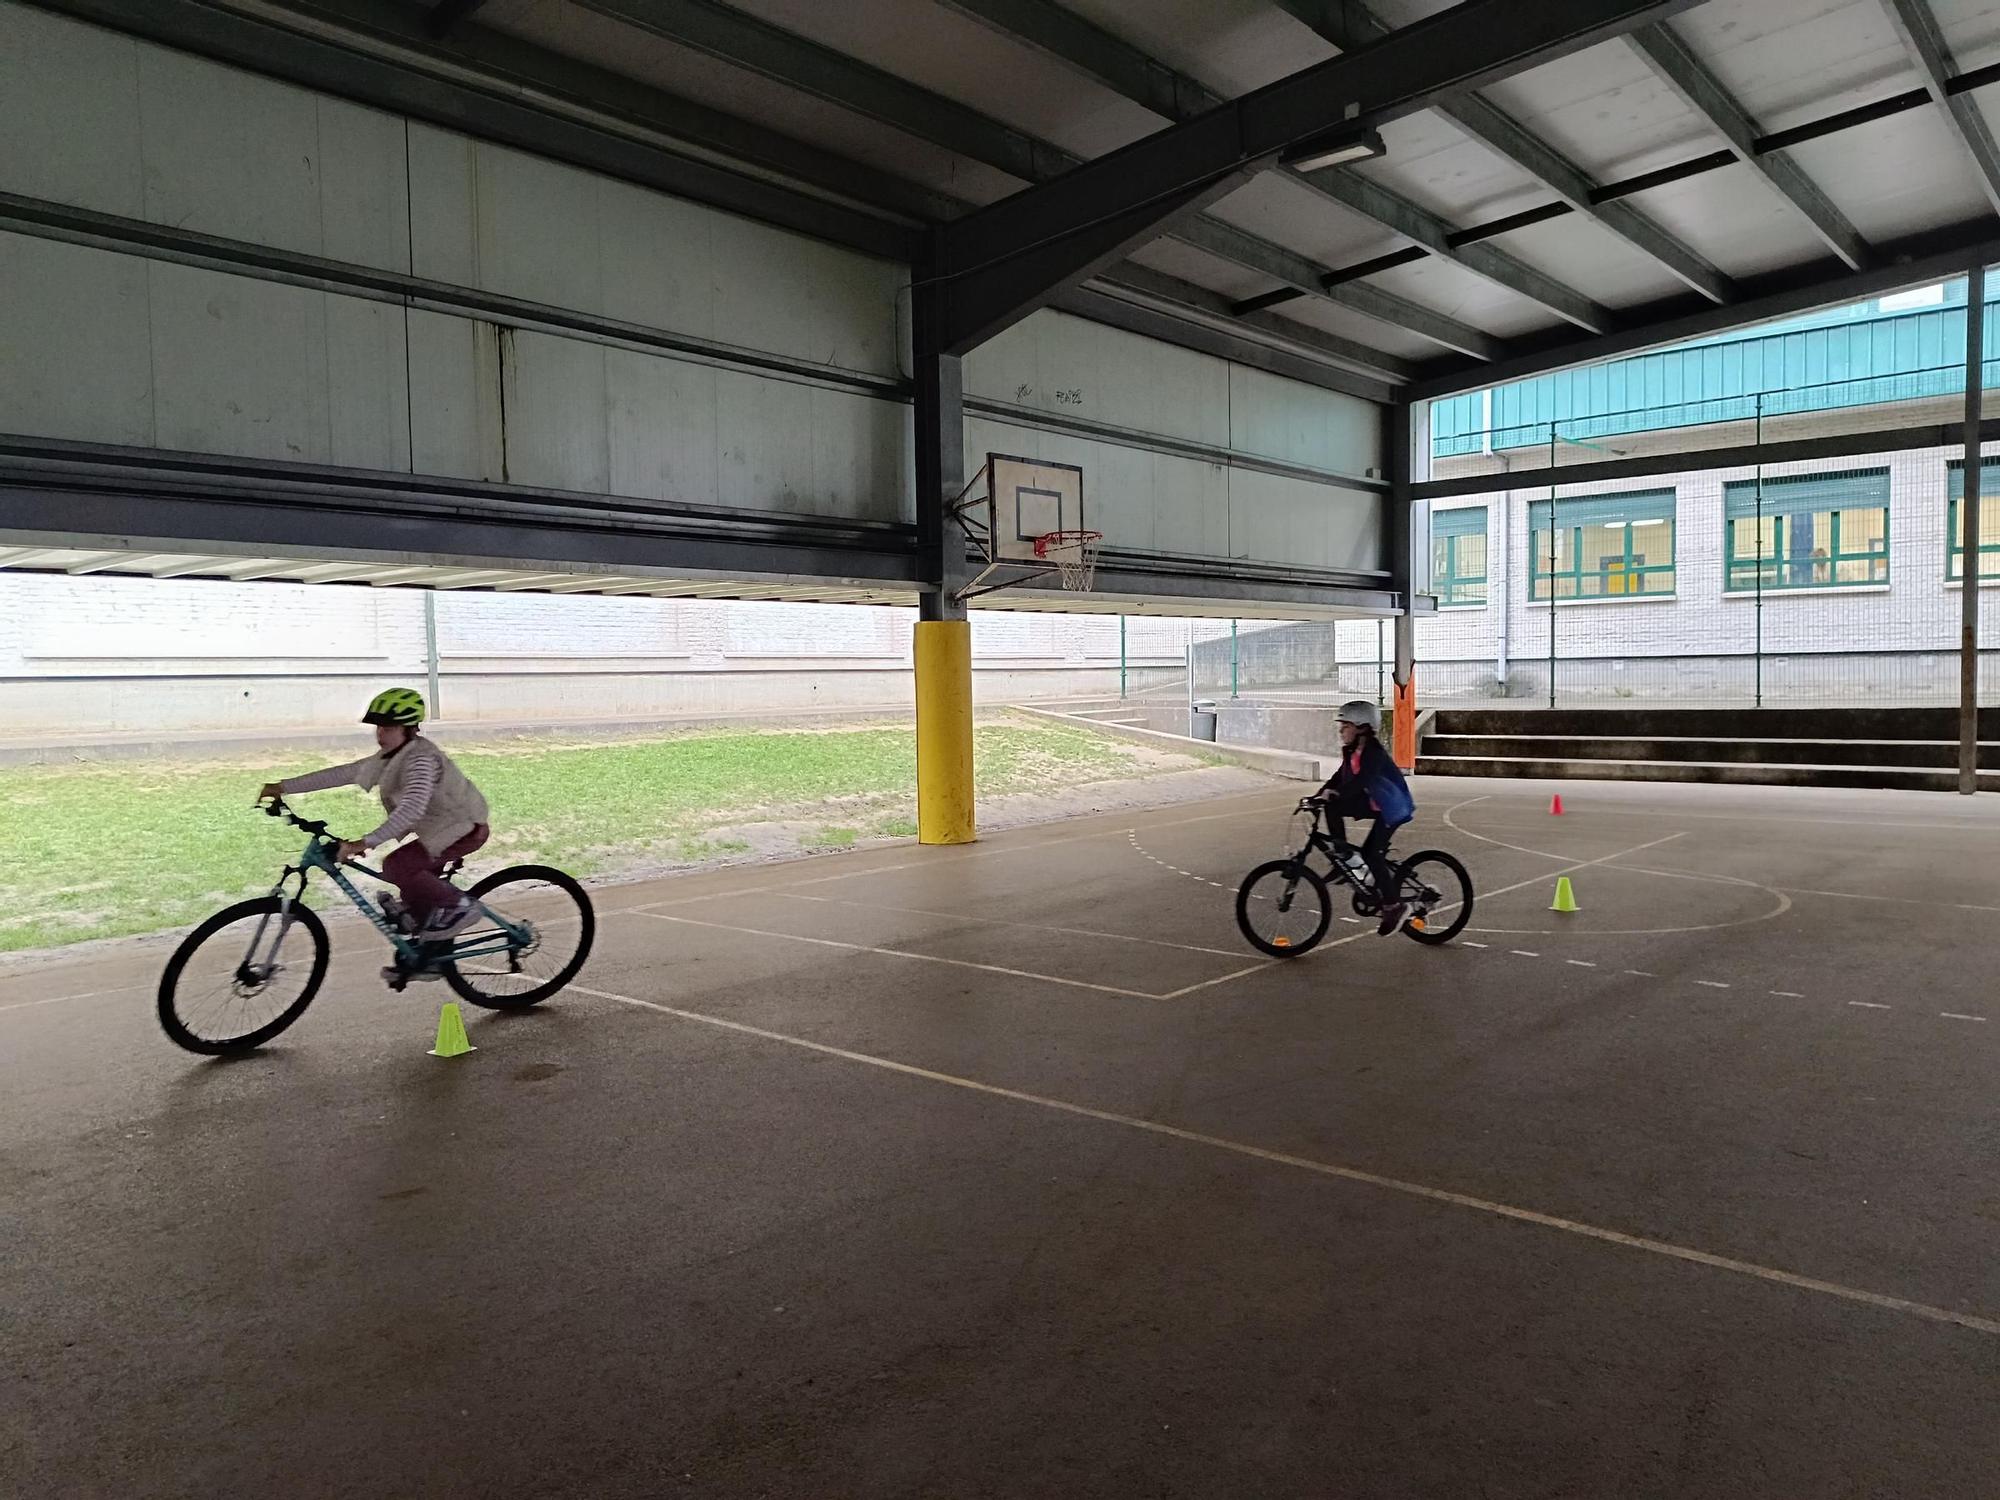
1565	897
452	1040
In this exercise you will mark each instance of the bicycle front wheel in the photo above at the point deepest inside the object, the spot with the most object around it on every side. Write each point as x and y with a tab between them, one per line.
243	976
552	927
1283	908
1438	892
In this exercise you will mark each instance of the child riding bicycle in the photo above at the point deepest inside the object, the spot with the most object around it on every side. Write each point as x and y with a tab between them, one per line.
1369	784
423	793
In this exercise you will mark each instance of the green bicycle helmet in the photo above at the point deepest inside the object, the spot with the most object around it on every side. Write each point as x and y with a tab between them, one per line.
404	706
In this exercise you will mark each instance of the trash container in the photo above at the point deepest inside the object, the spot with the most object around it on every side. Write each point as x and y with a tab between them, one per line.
1201	720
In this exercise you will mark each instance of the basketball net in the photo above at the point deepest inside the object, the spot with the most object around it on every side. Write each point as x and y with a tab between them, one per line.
1074	554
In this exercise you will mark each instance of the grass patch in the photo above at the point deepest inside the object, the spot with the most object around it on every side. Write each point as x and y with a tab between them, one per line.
833	838
101	850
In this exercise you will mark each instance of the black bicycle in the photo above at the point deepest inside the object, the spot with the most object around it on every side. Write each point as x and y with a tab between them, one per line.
250	970
1285	906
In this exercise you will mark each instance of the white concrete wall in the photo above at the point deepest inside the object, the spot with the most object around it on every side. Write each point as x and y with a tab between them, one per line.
113	655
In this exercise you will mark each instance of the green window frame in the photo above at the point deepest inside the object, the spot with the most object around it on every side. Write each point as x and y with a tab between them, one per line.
1989	522
1806	531
1458	556
1604	546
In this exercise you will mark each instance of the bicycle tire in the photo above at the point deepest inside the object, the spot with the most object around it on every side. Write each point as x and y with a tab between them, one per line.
178	1031
1460	915
1303	875
486	999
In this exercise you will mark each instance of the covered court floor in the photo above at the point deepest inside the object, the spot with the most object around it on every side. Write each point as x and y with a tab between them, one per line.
1010	1170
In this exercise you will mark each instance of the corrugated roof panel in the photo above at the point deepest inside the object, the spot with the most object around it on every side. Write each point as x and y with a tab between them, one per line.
1607	111
1465	295
1778	56
1584	254
1898	176
1435	164
1284	211
1736	219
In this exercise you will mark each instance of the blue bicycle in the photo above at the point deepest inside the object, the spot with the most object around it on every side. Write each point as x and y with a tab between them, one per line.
250	970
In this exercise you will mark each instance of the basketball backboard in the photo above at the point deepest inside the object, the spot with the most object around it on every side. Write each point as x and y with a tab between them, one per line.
1025	501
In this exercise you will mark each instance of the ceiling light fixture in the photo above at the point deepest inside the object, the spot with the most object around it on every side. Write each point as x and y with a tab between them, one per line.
1335	150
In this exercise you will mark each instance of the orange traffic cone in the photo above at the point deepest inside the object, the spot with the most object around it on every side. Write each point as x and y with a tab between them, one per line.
1556	805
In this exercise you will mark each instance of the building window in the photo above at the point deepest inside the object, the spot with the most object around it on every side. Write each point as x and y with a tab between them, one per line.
1603	546
1458	555
1807	531
1989	522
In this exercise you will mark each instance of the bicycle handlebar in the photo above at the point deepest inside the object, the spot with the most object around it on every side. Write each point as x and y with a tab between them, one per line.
276	808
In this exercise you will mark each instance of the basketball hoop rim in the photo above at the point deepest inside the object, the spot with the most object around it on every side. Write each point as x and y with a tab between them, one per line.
1048	541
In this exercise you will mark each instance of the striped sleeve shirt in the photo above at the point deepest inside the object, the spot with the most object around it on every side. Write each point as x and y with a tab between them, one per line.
418	784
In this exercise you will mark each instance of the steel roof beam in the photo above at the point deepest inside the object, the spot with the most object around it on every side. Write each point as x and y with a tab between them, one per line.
1689	77
757	46
1924	41
1125	69
1349	25
999	263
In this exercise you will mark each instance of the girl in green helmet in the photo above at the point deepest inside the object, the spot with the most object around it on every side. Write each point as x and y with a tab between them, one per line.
424	793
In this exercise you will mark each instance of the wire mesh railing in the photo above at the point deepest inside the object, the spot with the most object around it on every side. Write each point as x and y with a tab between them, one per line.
1752	574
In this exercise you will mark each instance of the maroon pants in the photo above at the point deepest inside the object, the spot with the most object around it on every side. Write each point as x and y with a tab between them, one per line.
414	869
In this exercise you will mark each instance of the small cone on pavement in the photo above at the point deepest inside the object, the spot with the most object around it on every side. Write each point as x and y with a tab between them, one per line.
1556	805
1565	899
452	1040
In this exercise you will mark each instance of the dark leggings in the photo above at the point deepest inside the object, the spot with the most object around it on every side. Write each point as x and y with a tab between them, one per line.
415	870
1374	848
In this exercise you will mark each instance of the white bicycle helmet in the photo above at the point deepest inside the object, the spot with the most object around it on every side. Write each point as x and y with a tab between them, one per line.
1362	714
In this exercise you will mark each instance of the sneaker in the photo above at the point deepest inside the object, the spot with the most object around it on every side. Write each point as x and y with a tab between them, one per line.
1392	918
449	921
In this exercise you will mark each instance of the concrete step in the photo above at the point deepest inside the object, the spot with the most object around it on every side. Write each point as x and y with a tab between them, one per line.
1541	768
1908	754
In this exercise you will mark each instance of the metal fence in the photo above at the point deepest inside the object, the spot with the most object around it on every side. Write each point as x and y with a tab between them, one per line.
1756	573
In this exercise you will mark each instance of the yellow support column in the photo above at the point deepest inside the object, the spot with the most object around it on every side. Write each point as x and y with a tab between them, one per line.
943	657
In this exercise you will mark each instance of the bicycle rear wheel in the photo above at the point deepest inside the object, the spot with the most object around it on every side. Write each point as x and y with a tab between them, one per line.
243	976
1283	908
560	924
1438	892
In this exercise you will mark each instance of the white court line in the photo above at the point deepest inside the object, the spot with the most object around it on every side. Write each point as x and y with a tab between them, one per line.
961	852
1356	937
1642	974
119	989
1523	953
928	958
1579	963
1952	1015
1665	1248
1868	1005
1788	994
1712	984
1896	900
956	916
1472	945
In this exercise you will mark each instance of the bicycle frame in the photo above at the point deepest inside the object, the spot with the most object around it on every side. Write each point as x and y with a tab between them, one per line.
409	953
1322	841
